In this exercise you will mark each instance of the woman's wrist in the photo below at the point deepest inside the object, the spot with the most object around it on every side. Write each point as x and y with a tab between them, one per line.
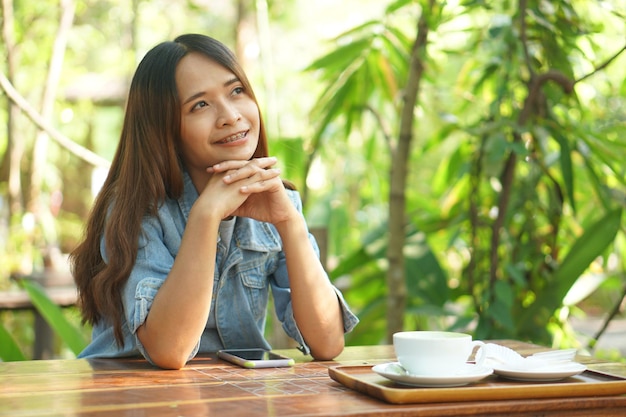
207	218
292	227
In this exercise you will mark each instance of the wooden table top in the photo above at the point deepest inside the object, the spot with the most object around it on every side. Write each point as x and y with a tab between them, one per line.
208	386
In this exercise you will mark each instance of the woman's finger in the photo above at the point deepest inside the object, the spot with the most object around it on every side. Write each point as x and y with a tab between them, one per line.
261	181
224	166
252	170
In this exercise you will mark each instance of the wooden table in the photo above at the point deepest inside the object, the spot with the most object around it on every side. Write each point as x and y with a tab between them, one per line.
208	386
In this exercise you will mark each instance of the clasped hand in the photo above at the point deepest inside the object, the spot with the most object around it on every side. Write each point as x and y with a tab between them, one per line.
251	189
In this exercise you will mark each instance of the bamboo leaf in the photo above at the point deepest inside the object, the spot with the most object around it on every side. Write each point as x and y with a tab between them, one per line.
9	350
351	263
54	317
588	247
341	57
397	4
566	166
596	182
372	248
609	152
425	277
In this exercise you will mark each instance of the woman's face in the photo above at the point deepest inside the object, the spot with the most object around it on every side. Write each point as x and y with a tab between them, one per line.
219	119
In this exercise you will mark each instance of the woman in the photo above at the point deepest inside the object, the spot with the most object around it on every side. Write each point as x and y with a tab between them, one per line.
194	225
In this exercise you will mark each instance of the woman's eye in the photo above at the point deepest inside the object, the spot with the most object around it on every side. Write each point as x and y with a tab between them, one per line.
199	105
238	90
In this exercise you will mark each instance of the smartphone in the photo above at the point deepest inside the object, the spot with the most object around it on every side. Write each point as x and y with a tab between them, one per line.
255	358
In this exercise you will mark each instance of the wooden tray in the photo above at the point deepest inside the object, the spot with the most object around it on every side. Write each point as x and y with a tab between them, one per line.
589	383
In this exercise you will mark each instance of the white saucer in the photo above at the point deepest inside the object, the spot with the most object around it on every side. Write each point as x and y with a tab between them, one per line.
555	372
469	373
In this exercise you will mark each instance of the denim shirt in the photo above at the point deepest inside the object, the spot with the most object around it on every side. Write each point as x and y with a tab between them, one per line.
245	272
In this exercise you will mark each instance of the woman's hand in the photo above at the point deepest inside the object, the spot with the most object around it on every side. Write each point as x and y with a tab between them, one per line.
252	189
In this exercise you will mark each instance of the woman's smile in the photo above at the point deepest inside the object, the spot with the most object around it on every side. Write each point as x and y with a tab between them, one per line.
235	139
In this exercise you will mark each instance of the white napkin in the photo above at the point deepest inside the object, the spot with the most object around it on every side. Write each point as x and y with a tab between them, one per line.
501	356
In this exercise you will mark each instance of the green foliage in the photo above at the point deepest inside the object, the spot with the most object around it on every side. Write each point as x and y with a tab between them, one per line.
9	349
361	71
518	183
592	244
53	315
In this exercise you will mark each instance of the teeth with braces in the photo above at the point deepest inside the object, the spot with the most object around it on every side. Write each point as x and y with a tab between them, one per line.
233	138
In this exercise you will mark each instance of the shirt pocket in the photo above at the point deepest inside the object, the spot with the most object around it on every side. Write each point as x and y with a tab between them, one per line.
254	277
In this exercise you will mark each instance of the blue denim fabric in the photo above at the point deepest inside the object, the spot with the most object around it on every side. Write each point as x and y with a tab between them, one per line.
254	265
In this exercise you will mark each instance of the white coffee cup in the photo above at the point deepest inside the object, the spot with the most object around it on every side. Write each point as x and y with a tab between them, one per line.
435	352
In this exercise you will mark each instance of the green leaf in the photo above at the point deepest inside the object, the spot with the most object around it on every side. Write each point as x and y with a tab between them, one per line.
500	312
341	57
373	247
566	165
588	247
9	350
53	315
425	278
398	4
606	147
351	263
504	294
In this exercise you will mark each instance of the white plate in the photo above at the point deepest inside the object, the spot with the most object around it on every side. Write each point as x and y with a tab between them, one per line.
547	373
469	373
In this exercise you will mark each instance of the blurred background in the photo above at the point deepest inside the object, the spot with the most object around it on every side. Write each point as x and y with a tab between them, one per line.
461	162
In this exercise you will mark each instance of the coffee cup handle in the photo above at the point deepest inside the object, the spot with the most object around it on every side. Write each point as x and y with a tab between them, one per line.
481	354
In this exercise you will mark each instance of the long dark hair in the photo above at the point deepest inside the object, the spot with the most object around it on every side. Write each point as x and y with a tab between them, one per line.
146	169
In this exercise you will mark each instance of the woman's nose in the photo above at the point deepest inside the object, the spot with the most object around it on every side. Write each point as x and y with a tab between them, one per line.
228	115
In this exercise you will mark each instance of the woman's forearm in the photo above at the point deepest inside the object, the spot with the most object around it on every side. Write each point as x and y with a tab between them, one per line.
180	309
315	304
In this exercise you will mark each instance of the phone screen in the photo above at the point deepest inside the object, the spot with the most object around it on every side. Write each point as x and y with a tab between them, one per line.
256	354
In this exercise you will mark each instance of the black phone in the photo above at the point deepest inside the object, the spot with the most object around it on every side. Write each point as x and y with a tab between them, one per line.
255	358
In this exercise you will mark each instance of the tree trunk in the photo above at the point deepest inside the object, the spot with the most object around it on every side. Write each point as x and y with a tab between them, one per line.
396	280
15	148
40	149
270	112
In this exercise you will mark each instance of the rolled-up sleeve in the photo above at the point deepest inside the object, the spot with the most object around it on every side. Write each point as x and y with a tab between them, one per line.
153	264
284	313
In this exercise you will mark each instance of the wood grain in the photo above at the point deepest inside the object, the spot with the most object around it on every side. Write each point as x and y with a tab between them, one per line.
208	386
